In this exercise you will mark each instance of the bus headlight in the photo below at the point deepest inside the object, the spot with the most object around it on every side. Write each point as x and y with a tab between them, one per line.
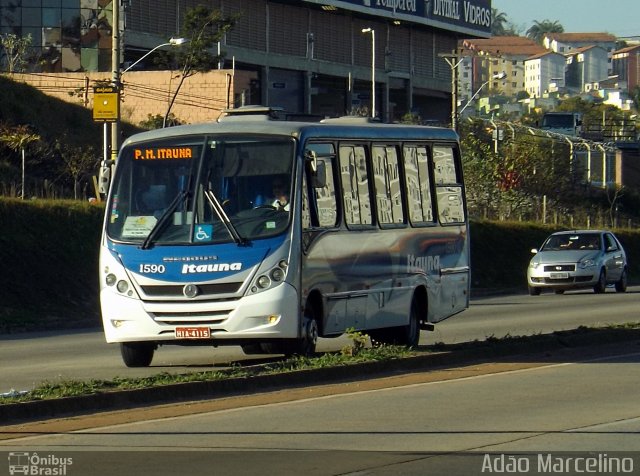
122	286
277	274
110	279
271	278
263	282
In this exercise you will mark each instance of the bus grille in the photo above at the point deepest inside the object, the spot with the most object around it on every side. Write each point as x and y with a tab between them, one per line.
173	290
192	318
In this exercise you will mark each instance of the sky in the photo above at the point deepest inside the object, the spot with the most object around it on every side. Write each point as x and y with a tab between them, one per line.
618	17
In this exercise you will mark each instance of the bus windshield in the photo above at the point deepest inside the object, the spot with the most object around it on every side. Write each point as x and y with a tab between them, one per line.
200	189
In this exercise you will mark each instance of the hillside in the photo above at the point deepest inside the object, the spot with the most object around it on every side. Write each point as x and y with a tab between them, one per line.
49	117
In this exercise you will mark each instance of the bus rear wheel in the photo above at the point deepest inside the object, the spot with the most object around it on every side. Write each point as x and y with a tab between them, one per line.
407	335
137	354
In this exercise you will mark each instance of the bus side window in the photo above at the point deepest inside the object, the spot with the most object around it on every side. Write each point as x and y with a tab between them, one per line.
448	185
326	198
355	185
416	167
386	175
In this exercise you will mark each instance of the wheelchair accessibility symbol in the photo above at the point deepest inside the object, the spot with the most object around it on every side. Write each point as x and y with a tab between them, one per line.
203	233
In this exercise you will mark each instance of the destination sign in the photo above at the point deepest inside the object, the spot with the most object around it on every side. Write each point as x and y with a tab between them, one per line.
163	153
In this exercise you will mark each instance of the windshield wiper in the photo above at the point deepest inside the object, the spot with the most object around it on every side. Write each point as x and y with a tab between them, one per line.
164	218
224	218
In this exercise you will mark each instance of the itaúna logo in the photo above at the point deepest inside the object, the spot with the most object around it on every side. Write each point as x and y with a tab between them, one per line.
210	268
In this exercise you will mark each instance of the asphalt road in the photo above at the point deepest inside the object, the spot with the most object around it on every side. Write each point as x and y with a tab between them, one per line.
552	409
27	360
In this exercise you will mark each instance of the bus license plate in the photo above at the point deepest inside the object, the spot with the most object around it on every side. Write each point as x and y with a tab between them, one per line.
193	333
559	275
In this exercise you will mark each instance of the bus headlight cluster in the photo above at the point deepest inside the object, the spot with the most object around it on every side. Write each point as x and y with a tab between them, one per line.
271	278
122	285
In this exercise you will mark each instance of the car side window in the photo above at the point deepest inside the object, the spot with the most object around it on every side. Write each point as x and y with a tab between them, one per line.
610	243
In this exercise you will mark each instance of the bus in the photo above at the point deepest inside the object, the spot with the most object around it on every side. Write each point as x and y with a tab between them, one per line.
566	123
374	236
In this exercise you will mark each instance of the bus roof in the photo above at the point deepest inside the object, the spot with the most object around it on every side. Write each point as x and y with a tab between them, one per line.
333	129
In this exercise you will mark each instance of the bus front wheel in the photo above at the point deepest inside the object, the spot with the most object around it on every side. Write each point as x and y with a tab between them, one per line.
137	354
305	345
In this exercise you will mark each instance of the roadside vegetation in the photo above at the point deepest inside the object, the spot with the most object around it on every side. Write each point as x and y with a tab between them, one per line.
357	352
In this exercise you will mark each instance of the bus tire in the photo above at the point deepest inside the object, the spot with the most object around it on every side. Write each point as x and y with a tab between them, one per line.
306	345
408	335
137	354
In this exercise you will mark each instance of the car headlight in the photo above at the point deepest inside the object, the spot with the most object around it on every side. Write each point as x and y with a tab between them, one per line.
587	263
534	265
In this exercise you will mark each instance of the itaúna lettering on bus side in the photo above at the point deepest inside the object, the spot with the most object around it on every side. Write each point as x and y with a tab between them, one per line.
210	268
423	263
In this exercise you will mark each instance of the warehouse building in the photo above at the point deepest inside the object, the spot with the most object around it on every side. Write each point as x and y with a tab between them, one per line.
311	57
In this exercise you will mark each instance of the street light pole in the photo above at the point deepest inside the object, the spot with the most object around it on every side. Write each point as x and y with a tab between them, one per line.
171	42
496	76
115	77
373	69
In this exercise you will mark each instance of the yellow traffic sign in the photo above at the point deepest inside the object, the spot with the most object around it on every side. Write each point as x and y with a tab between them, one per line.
106	104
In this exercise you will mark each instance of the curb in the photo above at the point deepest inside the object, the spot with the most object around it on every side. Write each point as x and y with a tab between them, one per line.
458	354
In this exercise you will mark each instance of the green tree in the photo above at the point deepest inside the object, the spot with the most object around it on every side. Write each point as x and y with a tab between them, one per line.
156	121
203	28
498	21
14	50
78	162
539	29
18	139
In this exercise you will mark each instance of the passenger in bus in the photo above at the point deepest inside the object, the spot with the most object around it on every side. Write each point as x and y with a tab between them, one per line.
280	199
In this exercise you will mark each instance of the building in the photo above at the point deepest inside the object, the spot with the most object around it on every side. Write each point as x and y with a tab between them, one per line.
544	73
589	64
310	56
567	43
499	54
626	66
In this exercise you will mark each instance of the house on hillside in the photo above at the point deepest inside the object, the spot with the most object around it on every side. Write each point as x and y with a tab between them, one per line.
567	43
544	73
626	66
493	56
586	65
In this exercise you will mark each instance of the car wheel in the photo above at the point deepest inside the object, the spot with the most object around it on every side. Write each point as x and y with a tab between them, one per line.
621	285
601	286
533	291
559	291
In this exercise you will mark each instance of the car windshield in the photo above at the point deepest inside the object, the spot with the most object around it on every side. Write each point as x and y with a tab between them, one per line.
201	189
573	241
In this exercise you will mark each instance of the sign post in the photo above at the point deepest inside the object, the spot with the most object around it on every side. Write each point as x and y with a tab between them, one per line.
106	109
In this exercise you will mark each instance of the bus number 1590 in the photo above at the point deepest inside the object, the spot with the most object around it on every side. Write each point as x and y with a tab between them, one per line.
152	268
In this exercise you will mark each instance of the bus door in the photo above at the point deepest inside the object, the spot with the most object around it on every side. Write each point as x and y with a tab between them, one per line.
454	256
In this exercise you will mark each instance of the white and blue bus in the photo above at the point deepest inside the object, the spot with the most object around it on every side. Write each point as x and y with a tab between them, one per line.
197	249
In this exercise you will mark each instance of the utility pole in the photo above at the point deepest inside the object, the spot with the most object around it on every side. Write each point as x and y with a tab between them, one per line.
453	59
115	75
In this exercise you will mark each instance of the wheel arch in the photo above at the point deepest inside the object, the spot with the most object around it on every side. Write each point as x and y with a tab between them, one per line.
315	301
